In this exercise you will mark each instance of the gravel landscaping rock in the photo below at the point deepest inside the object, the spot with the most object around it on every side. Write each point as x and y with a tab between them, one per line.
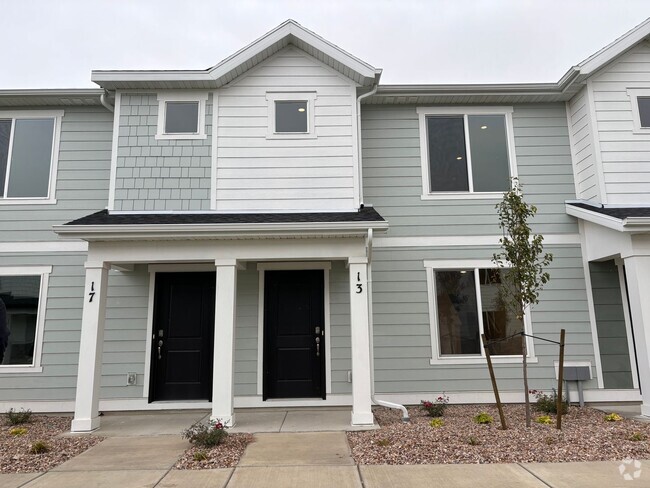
15	456
225	455
585	436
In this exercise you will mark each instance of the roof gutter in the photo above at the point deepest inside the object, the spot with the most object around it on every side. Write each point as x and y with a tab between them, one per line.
104	101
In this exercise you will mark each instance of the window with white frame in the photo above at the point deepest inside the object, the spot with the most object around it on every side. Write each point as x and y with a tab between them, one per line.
640	99
181	115
28	155
290	115
464	302
22	308
466	151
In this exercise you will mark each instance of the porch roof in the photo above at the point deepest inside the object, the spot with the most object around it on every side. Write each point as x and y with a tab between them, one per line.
621	218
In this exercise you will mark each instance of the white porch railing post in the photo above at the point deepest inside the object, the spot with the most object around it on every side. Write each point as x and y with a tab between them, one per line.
360	339
223	377
637	270
86	409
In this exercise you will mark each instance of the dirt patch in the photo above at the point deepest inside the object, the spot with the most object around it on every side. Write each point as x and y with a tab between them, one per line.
225	455
15	455
585	436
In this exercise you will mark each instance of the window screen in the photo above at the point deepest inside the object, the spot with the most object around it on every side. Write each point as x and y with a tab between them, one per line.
291	116
31	158
489	152
182	118
447	155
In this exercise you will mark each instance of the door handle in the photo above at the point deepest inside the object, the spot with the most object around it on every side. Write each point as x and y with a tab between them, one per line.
160	343
318	346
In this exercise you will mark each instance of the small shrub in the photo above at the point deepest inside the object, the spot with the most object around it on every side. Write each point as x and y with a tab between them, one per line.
483	418
206	435
16	418
613	417
437	422
18	431
436	408
637	437
473	441
548	403
39	447
200	456
544	419
383	442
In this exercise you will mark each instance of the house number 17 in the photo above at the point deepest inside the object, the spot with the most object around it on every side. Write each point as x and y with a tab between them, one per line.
359	285
92	292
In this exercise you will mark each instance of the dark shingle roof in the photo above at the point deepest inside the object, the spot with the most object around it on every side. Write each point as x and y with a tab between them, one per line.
616	212
366	214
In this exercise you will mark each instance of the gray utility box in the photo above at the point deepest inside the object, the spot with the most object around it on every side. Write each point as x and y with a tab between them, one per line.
577	374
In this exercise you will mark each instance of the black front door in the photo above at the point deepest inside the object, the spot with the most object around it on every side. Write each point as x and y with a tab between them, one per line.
183	324
294	338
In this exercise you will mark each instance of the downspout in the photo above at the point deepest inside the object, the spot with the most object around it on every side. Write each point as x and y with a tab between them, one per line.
104	102
383	403
359	151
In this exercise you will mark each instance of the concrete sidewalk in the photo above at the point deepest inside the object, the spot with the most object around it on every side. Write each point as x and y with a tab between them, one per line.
315	460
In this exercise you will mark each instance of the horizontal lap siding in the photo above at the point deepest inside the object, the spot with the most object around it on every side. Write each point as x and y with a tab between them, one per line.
392	174
625	155
259	174
610	323
159	174
82	178
585	169
402	340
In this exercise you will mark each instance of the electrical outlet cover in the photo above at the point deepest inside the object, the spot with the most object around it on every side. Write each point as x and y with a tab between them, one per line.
131	379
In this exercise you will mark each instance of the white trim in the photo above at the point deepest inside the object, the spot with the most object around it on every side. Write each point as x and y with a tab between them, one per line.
114	151
465	111
628	322
304	265
57	116
146	386
595	217
357	185
470	265
181	267
595	138
181	96
214	163
590	306
44	246
298	96
44	273
635	94
470	240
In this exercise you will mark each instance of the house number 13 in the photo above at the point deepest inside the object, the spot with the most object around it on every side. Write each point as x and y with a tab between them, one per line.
359	285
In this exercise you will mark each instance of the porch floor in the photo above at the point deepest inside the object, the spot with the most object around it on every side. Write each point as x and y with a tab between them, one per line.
131	424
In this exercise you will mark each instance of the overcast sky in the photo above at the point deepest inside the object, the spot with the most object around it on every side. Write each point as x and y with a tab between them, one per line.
56	43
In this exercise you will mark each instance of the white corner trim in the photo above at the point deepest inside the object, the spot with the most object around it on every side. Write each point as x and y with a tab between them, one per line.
146	381
301	96
181	96
357	173
114	150
43	246
214	162
44	272
634	94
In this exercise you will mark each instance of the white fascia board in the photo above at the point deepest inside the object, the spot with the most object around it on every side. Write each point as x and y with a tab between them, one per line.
99	76
596	218
628	40
131	231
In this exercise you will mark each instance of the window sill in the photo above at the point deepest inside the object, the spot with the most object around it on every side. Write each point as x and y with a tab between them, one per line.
20	369
482	360
167	137
493	195
27	201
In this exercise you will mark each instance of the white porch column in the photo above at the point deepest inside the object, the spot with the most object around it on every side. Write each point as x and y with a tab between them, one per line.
360	338
637	269
223	377
86	408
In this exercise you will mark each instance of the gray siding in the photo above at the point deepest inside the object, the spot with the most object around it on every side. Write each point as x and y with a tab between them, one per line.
392	174
402	342
610	322
82	178
159	174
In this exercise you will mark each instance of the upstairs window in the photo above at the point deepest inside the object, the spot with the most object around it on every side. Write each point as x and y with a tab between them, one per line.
181	115
465	152
291	115
28	147
644	111
640	101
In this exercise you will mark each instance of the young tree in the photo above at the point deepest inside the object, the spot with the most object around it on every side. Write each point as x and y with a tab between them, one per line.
522	253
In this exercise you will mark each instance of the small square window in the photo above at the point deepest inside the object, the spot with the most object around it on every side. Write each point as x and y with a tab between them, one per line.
644	111
182	117
291	116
